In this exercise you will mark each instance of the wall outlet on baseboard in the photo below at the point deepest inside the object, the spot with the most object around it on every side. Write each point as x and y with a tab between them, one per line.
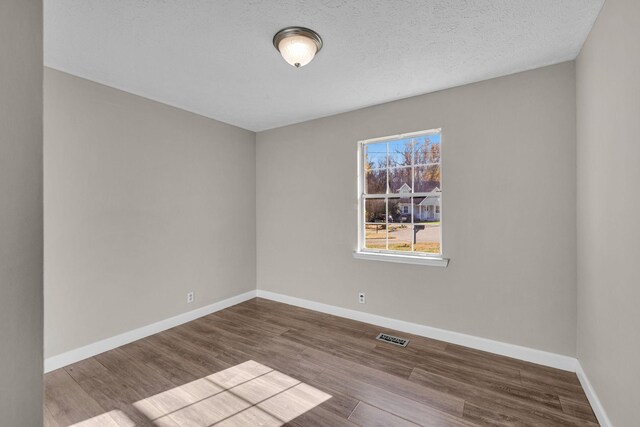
190	297
361	298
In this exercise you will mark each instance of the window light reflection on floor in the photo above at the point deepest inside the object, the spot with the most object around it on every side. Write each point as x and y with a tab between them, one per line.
247	394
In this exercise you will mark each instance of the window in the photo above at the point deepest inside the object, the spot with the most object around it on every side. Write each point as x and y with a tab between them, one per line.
400	195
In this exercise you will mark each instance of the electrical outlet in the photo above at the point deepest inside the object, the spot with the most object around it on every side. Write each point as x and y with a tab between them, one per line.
190	297
361	298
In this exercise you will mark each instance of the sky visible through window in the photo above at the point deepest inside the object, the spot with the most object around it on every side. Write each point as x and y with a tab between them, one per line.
376	153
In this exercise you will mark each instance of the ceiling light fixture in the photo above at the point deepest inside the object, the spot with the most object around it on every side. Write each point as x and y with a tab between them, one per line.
297	45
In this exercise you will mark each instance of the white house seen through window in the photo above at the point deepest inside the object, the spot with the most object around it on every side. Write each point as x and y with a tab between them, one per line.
401	197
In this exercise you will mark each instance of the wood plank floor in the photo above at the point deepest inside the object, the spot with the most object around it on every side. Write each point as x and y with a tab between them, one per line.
266	363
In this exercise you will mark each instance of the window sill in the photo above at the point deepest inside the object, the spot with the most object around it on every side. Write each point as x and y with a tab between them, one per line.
403	259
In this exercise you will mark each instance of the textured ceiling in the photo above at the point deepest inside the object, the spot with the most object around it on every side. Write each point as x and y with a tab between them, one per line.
215	57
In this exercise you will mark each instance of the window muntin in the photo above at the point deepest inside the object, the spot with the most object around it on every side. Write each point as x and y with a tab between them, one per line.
401	196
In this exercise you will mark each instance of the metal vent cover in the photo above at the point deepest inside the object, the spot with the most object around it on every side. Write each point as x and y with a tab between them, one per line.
402	342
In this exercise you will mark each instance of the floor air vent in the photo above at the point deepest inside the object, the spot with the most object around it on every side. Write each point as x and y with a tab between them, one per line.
393	340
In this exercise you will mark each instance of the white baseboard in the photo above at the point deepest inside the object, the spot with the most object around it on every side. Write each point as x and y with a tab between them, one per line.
540	357
91	350
596	405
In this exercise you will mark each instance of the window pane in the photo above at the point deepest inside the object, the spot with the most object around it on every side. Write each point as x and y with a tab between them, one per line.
376	181
400	236
400	210
375	210
426	178
375	156
400	152
428	238
400	180
375	236
427	209
427	149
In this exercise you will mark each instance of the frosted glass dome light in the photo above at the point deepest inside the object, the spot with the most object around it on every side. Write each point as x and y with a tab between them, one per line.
297	50
297	45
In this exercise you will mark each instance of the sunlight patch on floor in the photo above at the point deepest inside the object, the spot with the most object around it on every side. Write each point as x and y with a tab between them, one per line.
113	418
246	394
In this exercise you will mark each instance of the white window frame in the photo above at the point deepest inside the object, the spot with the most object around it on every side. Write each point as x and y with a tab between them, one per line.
436	260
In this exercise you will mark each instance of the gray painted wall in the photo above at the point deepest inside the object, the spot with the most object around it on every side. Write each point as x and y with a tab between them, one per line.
608	91
143	203
21	213
509	177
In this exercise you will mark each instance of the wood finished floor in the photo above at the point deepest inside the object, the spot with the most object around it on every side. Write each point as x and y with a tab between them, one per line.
260	362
